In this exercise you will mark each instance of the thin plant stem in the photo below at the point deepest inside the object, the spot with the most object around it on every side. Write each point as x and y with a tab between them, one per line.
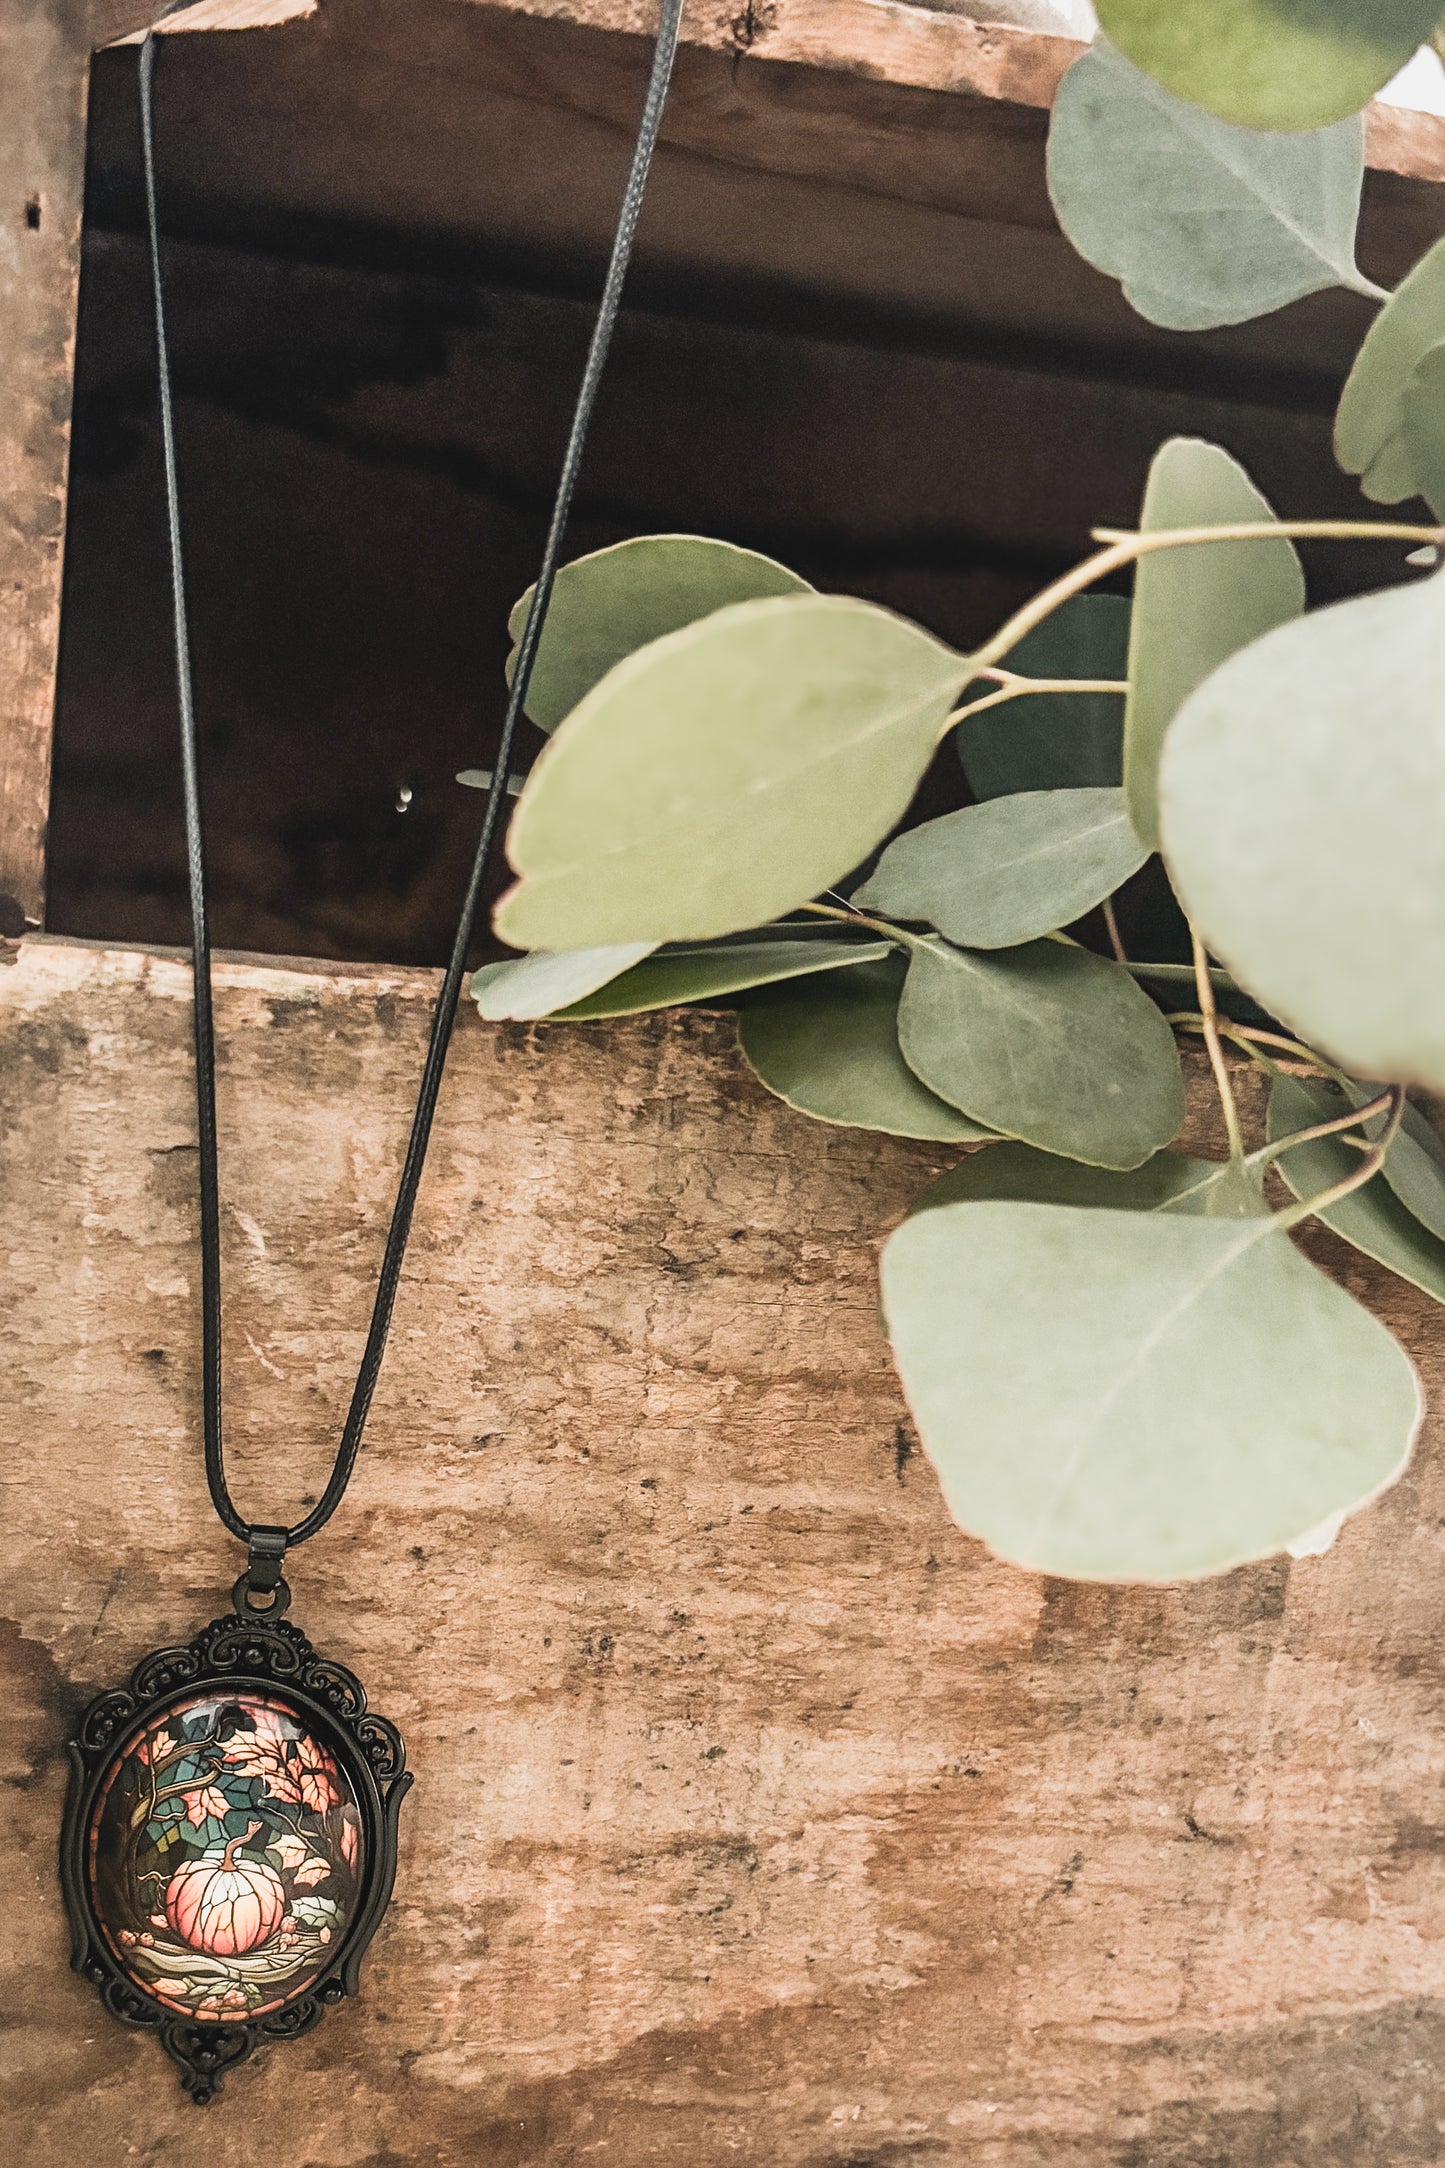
1123	549
1252	1040
1013	687
1167	974
1366	1171
1116	939
1267	1153
849	915
1217	1061
1022	684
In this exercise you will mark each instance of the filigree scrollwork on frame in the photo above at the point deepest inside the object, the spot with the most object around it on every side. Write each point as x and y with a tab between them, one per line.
230	1842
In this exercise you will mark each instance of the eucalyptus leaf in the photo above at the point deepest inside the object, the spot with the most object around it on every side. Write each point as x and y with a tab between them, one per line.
726	773
1017	1174
1055	741
1415	1163
1139	1396
1370	426
830	1049
1373	1219
530	986
680	974
1203	223
996	875
1279	64
1195	605
1422	430
1047	1043
1302	796
610	604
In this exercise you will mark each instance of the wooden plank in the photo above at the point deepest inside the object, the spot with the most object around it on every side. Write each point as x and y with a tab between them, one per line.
760	1815
931	47
43	76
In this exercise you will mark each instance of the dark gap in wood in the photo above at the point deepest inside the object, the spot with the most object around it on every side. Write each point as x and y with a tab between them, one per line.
856	341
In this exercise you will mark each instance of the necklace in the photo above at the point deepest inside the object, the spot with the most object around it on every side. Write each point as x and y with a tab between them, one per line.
230	1834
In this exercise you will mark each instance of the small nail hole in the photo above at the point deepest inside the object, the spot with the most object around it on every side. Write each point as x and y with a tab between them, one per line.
32	214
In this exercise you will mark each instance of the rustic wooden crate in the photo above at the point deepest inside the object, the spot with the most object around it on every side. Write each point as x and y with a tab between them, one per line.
760	1816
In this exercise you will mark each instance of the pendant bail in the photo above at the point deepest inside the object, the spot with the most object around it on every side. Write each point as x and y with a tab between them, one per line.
261	1591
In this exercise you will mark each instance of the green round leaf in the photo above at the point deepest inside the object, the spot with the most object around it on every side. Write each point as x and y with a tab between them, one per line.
1415	1163
830	1049
610	604
1047	1043
1371	437
1422	429
1139	1396
1302	796
1195	605
999	874
1271	63
1203	223
1017	1174
680	974
1053	741
726	774
536	985
1373	1219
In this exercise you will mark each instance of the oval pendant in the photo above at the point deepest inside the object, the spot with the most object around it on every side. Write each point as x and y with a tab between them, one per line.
230	1842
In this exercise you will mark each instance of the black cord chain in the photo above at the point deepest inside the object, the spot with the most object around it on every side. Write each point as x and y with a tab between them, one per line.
444	1014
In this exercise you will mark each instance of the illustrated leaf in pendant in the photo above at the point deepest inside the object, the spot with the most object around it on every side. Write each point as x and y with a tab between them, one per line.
316	1774
209	1801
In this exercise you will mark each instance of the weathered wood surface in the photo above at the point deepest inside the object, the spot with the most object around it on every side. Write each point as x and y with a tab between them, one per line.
761	1816
947	45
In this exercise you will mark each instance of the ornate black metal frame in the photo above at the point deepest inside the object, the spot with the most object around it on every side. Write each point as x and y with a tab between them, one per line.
240	1652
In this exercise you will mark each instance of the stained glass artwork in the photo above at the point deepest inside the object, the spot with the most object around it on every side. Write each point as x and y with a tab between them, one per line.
225	1855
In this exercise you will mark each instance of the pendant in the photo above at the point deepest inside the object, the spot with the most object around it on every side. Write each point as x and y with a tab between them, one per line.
230	1839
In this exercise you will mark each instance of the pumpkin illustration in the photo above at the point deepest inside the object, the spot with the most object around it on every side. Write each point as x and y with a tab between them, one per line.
224	1905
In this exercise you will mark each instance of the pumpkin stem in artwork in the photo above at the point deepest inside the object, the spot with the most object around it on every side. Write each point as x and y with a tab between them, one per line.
234	1844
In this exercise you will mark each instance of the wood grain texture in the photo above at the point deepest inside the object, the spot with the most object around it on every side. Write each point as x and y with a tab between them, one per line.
761	1816
939	45
43	70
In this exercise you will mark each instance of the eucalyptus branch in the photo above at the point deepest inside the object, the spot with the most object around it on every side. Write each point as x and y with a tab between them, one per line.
1252	1042
1018	683
1268	1153
1124	548
1222	1081
1191	1020
1168	973
1116	939
1013	687
1368	1168
849	915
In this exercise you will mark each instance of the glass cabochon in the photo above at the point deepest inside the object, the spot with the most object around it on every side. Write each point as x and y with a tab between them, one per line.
225	1855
